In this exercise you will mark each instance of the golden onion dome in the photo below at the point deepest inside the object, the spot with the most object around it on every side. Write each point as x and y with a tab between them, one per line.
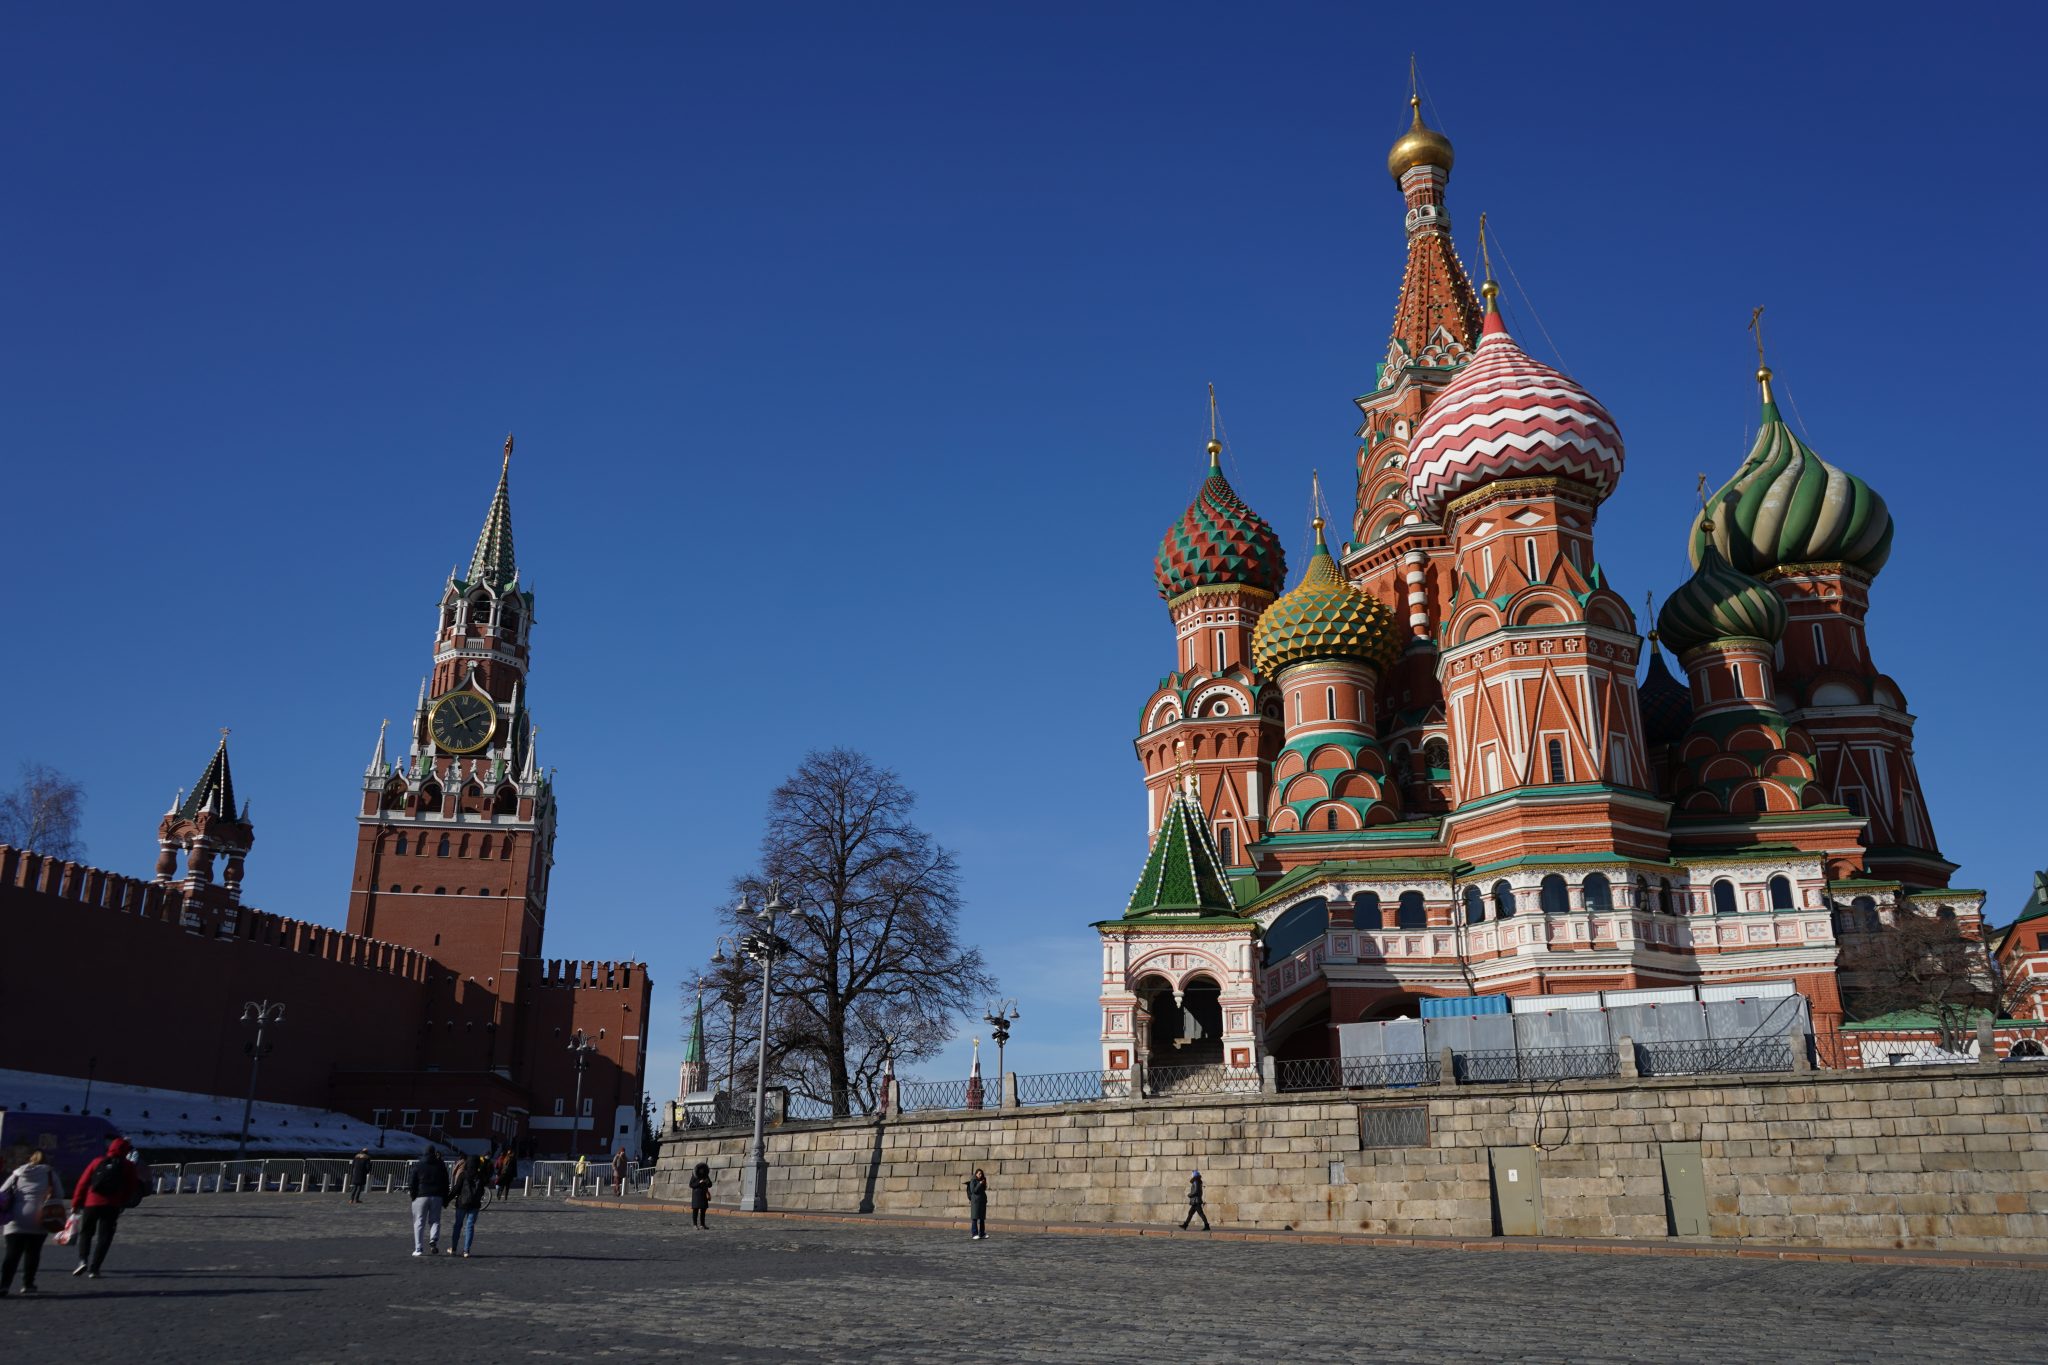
1325	617
1421	145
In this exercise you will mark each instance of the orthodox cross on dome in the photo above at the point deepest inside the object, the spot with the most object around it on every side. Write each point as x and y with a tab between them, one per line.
1756	334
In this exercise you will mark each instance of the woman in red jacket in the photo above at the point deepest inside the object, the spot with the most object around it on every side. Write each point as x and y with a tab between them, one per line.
105	1188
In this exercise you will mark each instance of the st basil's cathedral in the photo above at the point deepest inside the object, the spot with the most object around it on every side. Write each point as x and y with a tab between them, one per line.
1448	761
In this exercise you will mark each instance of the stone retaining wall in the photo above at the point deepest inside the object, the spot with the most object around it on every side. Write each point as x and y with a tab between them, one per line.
1947	1158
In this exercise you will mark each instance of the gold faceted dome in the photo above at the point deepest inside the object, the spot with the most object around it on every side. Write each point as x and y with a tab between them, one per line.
1419	146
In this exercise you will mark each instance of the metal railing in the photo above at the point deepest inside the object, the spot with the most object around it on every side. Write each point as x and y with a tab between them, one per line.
1708	1057
915	1095
1536	1064
1359	1073
1072	1087
329	1175
1174	1081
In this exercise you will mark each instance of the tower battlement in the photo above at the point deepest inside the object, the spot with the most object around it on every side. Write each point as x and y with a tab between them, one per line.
592	974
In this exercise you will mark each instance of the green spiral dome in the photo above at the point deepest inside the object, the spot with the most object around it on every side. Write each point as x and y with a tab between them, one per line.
1719	602
1324	617
1787	506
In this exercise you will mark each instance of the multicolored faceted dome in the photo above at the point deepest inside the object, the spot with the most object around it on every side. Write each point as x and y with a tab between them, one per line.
1508	416
1719	602
1666	703
1219	540
1787	506
1324	617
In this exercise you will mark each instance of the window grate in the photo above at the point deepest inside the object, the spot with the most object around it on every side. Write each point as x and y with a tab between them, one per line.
1402	1125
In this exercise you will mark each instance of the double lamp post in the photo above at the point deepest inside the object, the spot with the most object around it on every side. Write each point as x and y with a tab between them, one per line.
761	945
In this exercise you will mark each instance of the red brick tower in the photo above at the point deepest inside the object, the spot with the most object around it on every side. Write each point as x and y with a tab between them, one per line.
454	843
204	826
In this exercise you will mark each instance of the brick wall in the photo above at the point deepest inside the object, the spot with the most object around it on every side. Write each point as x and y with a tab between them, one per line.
1950	1158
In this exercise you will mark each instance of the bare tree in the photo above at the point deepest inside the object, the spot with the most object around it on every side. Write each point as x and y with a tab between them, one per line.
873	966
1927	965
43	813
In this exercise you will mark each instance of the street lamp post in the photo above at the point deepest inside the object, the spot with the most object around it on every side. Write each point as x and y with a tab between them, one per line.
1000	1016
580	1049
762	946
262	1014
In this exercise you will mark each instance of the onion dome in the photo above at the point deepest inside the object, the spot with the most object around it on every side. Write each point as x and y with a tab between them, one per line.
1324	618
1508	416
1219	540
1788	506
1421	145
1666	703
1720	602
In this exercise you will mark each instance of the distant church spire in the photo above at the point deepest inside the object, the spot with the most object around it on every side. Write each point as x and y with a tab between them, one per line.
493	564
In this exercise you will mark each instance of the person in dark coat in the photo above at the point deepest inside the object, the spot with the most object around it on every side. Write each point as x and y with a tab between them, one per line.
1195	1209
700	1194
508	1170
472	1185
106	1187
977	1206
428	1185
358	1175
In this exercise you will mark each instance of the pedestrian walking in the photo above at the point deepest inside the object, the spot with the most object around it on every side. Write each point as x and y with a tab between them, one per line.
427	1183
582	1169
977	1206
700	1194
619	1173
358	1175
1195	1203
472	1185
507	1171
32	1205
106	1187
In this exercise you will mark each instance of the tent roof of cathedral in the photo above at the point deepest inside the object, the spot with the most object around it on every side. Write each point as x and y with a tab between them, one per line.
1219	540
1508	415
1787	506
1183	873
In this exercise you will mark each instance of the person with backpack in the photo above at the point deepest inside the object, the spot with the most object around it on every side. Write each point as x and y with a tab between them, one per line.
358	1175
108	1185
700	1195
427	1184
472	1185
31	1207
1195	1209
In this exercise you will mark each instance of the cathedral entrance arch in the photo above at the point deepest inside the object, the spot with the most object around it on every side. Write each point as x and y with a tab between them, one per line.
1184	1028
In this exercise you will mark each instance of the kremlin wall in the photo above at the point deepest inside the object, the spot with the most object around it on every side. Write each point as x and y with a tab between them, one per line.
434	1013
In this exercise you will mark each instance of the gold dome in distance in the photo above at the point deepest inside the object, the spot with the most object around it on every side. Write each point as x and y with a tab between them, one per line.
1421	145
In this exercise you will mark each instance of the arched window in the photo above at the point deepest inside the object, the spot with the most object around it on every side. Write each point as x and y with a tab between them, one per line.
1947	912
440	890
505	852
1664	896
1863	914
507	802
508	617
1595	892
394	796
1436	756
1365	910
401	845
1297	928
480	613
448	618
485	850
1503	901
1226	844
1553	897
462	849
394	886
430	796
1643	895
441	850
1781	893
1554	750
1330	702
1724	897
1411	913
1475	906
1330	818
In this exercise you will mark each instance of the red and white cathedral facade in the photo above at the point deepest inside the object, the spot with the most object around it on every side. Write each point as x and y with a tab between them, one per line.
1450	760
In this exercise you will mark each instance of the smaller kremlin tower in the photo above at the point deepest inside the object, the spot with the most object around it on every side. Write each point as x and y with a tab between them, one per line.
204	826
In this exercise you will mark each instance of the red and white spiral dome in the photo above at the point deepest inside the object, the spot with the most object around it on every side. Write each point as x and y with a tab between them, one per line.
1508	417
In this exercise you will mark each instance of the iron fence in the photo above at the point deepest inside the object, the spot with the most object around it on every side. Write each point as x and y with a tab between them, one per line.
1172	1081
1358	1073
1709	1057
942	1095
1536	1064
329	1175
1072	1087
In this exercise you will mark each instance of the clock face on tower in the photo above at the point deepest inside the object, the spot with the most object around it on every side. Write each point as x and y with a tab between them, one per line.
462	722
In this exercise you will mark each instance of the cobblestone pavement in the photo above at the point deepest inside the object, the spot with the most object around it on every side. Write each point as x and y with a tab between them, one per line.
284	1278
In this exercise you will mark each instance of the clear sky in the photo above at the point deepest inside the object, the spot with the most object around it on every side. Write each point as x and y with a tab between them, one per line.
856	356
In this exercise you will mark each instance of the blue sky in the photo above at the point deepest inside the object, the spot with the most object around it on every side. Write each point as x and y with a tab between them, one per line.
856	356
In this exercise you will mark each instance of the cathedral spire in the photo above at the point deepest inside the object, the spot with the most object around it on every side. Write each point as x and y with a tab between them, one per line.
492	564
1436	319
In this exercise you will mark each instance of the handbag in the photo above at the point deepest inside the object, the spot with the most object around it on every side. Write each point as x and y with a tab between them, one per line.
69	1233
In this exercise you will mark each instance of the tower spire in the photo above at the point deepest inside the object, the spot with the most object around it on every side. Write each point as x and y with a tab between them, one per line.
493	562
376	768
215	791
